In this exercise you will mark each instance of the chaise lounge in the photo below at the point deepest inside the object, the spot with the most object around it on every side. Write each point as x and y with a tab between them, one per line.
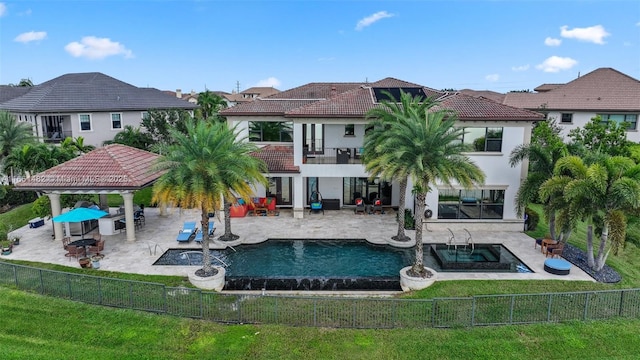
199	236
188	232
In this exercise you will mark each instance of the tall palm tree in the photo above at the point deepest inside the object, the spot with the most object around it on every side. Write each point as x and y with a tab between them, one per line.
76	145
426	146
543	153
599	193
204	165
210	104
374	156
13	134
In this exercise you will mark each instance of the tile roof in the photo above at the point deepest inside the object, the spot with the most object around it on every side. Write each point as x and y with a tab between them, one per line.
486	94
600	90
112	167
279	159
91	92
8	92
353	100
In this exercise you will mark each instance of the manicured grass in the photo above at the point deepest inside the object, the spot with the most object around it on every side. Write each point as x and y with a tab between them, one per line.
37	327
17	217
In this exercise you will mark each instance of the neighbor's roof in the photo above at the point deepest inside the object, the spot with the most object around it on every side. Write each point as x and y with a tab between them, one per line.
91	92
486	94
112	167
279	159
354	100
600	90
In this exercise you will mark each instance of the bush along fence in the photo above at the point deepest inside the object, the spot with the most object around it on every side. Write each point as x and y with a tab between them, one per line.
338	312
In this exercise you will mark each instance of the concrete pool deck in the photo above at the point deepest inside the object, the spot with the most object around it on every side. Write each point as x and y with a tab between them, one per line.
160	231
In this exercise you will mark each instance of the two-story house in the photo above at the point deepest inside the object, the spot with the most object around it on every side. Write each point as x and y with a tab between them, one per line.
92	105
312	136
606	92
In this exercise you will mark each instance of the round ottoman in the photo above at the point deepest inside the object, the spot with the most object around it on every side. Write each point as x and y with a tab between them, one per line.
557	266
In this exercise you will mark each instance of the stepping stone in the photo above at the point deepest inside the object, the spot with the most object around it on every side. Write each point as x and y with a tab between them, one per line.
557	266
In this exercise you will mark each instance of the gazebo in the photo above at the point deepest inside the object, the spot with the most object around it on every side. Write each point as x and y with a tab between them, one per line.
113	169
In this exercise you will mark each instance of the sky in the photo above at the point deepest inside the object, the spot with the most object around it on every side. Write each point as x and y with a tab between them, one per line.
197	45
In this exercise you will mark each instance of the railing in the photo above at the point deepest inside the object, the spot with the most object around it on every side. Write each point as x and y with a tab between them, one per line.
341	155
56	136
337	312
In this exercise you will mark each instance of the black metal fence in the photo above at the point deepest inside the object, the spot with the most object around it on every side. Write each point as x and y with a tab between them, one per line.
339	312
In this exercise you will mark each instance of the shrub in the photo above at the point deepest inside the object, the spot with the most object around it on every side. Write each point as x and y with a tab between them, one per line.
532	218
14	198
41	207
409	220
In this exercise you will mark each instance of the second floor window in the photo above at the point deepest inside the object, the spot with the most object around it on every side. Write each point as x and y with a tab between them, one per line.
279	131
85	122
630	119
566	118
349	130
116	121
481	139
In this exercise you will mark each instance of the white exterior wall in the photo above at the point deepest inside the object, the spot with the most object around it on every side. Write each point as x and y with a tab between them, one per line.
580	119
101	125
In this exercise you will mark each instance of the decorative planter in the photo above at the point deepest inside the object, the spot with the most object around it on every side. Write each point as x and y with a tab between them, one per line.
215	282
84	262
6	251
95	263
409	283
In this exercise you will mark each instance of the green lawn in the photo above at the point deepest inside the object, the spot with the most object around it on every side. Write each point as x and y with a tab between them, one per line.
37	327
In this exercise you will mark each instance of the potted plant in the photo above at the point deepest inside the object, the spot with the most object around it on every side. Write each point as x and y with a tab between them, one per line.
15	240
84	262
6	246
95	261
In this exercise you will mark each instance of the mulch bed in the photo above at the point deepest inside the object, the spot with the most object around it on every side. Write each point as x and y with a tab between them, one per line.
579	258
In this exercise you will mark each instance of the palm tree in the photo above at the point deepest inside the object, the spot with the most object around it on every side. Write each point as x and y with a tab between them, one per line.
600	193
13	134
132	136
543	153
210	104
204	165
426	146
76	145
378	162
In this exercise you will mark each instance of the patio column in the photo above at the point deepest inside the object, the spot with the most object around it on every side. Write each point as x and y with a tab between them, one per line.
298	197
128	215
54	199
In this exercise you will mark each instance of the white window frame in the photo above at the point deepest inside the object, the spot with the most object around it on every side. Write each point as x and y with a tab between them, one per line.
90	122
111	116
143	114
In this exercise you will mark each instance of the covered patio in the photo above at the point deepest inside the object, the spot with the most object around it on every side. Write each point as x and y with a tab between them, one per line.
113	169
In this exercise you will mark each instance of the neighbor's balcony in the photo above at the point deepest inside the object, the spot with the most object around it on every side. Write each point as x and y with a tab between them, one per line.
341	155
56	137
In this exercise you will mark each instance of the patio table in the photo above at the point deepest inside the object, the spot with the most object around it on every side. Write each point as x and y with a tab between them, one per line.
84	243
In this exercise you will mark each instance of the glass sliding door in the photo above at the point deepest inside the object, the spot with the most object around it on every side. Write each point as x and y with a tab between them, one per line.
280	188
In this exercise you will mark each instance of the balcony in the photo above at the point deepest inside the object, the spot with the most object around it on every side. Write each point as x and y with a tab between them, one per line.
341	155
55	137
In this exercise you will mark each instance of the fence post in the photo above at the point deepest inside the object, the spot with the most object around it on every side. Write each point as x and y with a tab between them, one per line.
41	282
166	300
315	312
100	291
549	308
275	311
621	307
434	304
201	306
353	315
15	276
513	304
69	286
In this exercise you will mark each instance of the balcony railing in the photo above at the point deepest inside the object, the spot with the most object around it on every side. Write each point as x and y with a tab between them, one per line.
56	136
341	155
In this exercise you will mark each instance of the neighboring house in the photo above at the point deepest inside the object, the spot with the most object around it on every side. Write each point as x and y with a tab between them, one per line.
312	136
484	94
249	95
605	92
92	105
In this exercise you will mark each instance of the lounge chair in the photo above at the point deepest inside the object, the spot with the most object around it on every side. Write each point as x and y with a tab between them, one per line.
188	232
377	206
212	228
360	207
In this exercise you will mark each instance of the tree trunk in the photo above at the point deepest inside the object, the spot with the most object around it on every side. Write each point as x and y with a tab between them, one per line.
552	224
401	236
600	260
590	260
228	235
418	266
206	256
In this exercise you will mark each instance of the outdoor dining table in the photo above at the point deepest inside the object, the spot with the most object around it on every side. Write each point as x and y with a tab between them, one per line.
84	243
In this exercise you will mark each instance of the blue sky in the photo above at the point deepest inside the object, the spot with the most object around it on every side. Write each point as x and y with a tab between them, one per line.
215	44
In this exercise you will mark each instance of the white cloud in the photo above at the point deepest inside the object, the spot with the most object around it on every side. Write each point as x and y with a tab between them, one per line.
3	9
594	34
31	36
556	64
372	19
92	47
520	68
549	41
492	77
269	82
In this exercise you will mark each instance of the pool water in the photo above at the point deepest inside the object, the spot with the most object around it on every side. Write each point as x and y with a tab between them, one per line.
286	264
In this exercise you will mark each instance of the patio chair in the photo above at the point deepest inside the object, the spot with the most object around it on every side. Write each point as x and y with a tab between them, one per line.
315	203
75	251
212	229
377	206
97	248
65	242
188	232
360	207
555	250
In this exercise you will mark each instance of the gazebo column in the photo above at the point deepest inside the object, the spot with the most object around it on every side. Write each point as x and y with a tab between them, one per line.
54	199
128	215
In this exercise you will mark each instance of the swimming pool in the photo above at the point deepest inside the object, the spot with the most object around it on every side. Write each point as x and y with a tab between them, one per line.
300	264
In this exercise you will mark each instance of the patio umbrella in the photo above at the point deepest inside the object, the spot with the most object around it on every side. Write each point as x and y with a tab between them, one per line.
79	215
